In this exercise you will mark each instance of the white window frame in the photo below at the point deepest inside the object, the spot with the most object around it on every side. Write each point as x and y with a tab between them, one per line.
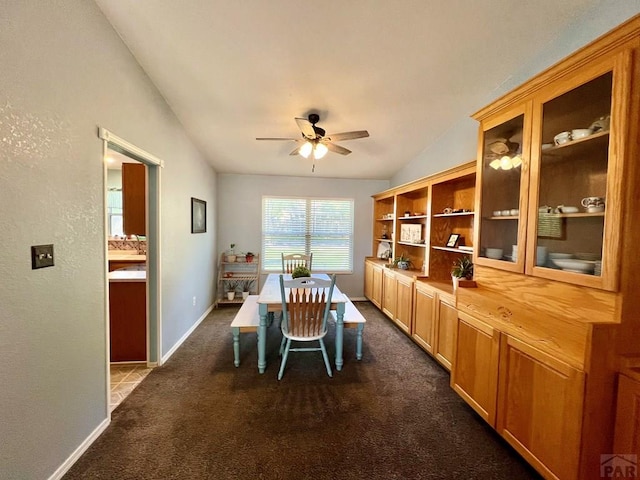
271	257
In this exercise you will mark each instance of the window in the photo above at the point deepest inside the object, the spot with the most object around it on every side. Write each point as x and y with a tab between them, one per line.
322	226
114	211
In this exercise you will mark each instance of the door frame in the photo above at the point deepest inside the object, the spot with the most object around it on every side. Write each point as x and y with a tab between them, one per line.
153	285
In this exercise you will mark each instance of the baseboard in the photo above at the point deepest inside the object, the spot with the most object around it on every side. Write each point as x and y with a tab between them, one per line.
186	335
73	458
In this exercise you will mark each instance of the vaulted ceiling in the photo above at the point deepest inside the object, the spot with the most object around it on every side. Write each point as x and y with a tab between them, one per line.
405	70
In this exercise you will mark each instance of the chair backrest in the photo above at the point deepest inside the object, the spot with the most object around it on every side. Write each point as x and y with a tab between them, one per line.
291	261
306	303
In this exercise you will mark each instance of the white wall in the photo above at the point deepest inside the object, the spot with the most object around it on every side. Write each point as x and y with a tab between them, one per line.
64	73
458	144
240	213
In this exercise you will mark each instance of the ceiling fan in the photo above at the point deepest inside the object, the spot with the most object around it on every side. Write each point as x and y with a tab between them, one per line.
315	142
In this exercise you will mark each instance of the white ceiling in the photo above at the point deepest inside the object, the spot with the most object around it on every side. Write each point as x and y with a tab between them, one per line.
405	70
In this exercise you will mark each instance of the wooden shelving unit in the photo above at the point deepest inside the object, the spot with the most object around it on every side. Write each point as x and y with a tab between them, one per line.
237	272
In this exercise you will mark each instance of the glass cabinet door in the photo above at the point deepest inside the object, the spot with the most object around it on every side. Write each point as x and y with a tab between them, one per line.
503	180
573	186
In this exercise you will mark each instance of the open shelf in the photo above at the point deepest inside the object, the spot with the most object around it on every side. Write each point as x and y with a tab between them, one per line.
413	244
459	214
450	249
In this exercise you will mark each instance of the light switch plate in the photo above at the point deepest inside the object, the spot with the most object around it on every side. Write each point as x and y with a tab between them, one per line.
41	256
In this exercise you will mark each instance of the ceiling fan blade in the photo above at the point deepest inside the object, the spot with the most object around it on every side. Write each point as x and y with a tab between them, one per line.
337	148
306	128
336	137
296	151
275	138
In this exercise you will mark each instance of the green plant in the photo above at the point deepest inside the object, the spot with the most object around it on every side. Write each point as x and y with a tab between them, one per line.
402	262
463	268
246	285
300	271
231	285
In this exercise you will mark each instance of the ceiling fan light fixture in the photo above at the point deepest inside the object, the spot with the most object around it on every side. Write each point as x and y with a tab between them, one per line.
320	151
305	150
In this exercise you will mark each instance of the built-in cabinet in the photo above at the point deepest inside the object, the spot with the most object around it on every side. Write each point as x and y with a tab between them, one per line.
536	348
418	221
134	197
550	176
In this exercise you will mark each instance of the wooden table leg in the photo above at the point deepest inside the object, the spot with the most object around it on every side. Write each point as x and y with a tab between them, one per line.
360	329
339	334
262	338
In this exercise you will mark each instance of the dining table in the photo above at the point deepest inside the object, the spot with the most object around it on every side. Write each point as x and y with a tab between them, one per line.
270	301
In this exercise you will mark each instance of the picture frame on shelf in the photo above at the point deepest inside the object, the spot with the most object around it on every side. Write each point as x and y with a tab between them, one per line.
453	241
410	233
198	215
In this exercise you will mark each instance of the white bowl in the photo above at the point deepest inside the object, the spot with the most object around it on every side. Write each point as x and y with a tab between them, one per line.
554	255
568	209
579	133
495	253
497	213
574	265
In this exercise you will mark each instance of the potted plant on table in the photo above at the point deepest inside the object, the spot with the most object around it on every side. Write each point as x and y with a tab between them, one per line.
462	273
250	256
300	271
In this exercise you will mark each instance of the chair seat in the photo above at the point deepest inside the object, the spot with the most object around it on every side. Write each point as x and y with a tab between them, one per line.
304	339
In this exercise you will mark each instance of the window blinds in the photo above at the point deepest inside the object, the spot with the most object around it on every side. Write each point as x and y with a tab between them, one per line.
320	226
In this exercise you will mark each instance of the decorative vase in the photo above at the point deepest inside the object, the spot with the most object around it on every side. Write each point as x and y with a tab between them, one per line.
231	295
403	265
455	281
245	295
231	258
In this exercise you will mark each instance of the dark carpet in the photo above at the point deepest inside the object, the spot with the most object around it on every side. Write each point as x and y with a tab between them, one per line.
390	416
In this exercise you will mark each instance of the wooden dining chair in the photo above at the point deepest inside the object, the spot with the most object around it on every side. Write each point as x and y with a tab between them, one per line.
306	303
291	261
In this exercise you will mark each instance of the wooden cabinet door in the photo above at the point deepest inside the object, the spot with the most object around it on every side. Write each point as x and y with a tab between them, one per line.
128	321
445	327
368	280
474	375
376	291
540	408
134	197
389	293
404	305
627	433
424	317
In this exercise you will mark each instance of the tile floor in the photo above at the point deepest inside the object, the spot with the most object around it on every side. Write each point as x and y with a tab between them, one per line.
124	378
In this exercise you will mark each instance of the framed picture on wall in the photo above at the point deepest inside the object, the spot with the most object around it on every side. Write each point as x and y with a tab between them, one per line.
198	216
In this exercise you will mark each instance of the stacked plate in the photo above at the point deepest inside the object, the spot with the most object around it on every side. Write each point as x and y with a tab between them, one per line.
598	268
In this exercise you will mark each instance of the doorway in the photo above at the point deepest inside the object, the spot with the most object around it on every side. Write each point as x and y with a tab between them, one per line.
149	248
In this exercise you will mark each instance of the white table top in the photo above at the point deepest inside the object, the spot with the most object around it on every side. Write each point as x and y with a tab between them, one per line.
270	292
